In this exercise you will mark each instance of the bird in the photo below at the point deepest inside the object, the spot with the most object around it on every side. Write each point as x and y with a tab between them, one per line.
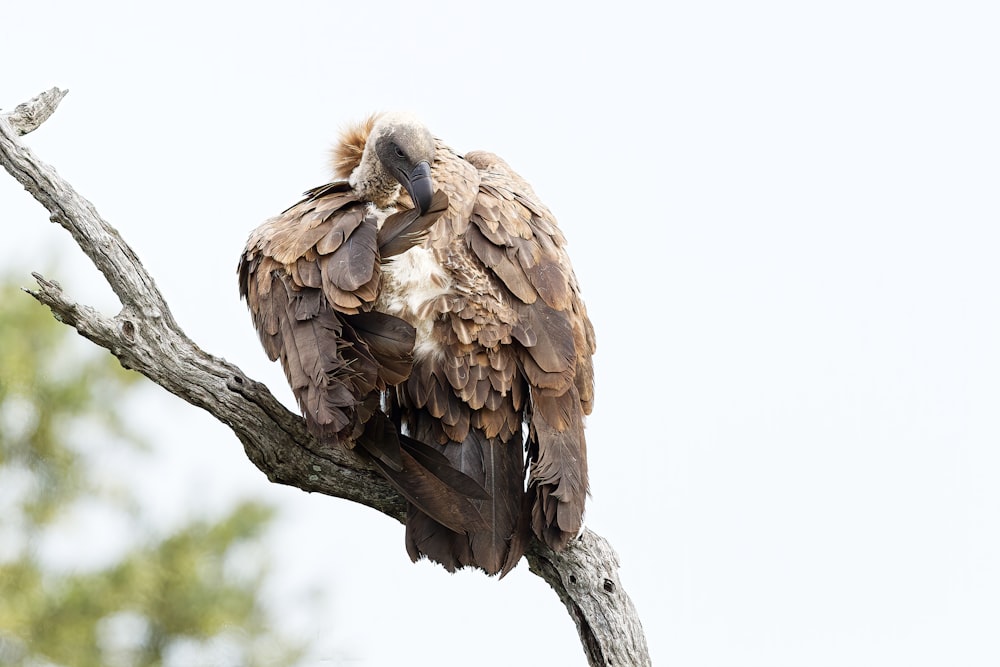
427	317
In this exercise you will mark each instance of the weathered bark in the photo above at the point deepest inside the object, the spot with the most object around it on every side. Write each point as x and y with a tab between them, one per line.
145	337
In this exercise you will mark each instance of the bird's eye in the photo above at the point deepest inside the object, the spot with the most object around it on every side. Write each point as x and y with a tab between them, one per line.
399	151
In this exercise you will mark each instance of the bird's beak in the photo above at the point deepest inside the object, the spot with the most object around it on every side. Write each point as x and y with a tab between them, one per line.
418	183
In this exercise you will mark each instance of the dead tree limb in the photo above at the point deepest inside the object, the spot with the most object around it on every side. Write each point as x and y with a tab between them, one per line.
145	337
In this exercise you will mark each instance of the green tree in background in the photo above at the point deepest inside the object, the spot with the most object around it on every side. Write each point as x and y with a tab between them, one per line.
167	598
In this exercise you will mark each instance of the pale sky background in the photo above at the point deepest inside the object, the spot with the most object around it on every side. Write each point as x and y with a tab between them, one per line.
785	220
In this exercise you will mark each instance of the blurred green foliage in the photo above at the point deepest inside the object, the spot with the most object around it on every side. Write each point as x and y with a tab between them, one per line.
168	594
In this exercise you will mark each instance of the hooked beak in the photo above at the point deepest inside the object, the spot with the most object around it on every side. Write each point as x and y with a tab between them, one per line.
418	183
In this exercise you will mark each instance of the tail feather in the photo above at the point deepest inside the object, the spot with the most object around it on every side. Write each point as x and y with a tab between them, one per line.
438	464
433	497
428	538
499	468
379	440
423	477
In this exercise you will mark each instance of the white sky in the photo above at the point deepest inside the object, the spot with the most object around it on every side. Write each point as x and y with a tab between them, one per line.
785	221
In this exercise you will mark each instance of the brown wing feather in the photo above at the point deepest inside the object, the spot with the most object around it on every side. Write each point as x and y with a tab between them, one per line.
310	277
306	337
404	229
518	239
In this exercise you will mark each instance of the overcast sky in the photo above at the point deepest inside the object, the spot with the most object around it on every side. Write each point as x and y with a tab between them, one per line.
785	221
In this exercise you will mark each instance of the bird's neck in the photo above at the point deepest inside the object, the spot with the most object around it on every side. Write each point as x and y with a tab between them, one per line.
372	183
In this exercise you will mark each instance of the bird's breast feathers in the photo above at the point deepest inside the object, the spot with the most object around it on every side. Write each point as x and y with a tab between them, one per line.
411	282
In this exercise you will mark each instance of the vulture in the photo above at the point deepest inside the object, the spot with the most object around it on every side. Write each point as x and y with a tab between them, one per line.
427	318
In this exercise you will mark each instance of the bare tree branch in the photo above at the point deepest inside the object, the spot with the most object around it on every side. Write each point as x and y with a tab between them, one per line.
144	336
27	116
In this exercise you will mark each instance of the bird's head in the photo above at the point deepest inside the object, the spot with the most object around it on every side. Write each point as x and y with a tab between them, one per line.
399	151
